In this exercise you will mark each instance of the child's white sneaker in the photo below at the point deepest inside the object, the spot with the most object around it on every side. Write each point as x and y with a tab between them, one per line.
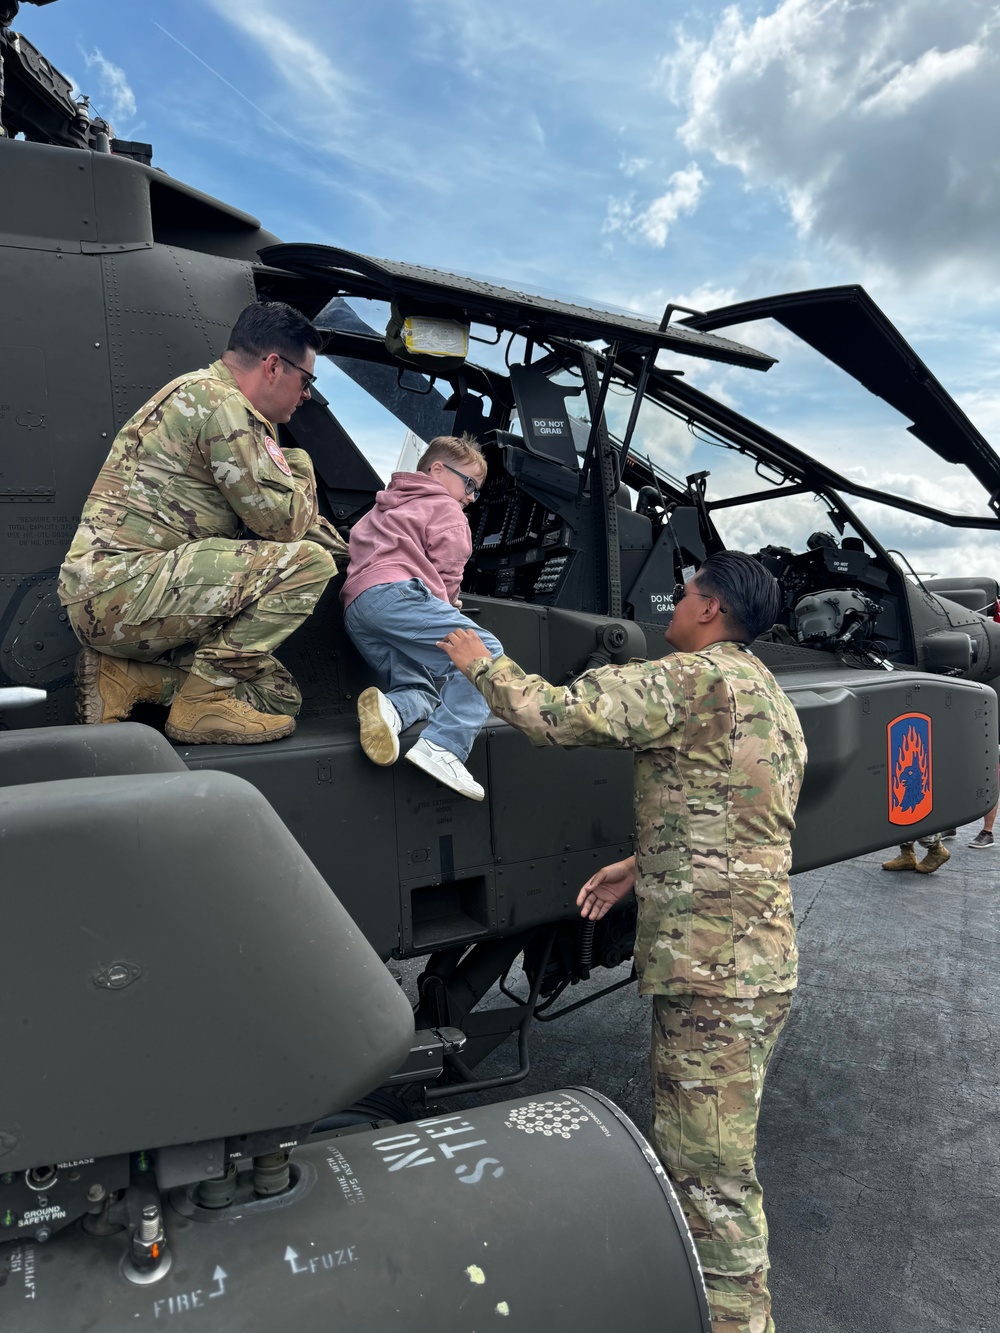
446	767
380	726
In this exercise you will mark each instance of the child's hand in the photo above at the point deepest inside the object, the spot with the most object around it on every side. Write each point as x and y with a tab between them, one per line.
457	603
464	646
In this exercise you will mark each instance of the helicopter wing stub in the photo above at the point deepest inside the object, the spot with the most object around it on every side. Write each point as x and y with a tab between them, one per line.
846	326
502	307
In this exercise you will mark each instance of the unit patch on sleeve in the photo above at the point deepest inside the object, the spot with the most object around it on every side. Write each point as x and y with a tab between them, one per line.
276	454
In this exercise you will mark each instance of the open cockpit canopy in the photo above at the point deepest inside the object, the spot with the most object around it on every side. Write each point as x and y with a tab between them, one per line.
846	327
350	274
842	324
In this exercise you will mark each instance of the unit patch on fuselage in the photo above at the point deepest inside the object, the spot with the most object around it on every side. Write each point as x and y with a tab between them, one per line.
911	792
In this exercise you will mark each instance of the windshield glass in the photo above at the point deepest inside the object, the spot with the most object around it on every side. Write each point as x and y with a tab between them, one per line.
833	420
681	450
826	414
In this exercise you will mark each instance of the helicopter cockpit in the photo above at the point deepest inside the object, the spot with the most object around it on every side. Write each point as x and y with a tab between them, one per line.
583	425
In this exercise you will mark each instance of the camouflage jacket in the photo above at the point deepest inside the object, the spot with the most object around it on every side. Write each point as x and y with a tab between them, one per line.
719	756
195	461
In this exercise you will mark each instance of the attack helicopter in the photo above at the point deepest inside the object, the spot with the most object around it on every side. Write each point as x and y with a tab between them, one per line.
123	277
211	1033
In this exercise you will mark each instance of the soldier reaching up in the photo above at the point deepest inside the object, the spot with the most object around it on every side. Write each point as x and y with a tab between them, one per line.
172	604
719	756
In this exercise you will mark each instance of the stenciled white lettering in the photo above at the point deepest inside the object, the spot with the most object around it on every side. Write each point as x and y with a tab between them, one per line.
29	1273
443	1133
450	1149
392	1149
182	1303
35	1215
450	1134
469	1176
548	426
319	1262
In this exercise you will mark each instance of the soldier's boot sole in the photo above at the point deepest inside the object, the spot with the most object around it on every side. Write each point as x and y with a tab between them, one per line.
934	860
217	717
108	688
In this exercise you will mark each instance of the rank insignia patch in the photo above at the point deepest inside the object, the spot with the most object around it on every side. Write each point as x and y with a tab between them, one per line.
911	794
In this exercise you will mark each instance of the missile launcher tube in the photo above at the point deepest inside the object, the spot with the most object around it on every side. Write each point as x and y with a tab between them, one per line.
548	1212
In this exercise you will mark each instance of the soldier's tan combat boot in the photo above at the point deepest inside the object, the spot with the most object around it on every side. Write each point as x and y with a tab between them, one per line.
906	860
108	688
934	860
207	714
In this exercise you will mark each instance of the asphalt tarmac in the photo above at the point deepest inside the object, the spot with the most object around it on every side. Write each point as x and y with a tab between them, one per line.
878	1147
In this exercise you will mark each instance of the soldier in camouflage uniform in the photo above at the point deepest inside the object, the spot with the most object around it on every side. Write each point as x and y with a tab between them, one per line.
719	756
174	605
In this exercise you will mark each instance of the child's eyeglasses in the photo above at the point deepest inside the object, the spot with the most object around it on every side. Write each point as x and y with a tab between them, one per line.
471	488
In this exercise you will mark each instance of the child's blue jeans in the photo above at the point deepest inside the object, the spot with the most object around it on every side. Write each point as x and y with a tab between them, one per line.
395	627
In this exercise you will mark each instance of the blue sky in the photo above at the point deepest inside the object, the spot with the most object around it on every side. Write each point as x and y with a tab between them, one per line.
633	154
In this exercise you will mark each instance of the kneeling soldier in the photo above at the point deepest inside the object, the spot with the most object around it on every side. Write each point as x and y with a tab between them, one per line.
172	606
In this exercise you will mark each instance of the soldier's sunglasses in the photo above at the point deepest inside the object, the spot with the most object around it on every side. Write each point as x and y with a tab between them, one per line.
471	488
681	591
308	380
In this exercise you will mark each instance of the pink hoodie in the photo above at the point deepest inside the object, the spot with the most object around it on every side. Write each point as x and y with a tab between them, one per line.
416	531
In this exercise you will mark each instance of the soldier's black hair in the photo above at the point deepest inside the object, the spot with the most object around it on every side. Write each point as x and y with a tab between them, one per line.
273	326
749	593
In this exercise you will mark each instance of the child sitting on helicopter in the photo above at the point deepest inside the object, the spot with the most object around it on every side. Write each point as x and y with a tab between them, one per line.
401	597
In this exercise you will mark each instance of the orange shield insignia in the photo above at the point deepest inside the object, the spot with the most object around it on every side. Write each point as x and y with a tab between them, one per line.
911	789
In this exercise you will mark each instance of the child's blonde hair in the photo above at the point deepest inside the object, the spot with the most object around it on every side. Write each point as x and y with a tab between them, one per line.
459	450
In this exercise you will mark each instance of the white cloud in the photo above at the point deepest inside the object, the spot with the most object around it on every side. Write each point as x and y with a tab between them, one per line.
931	548
983	407
366	90
652	224
920	78
620	214
956	492
114	86
481	35
708	297
874	123
298	57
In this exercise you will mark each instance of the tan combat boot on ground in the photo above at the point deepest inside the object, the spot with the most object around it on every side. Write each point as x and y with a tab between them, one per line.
934	860
906	860
207	714
108	688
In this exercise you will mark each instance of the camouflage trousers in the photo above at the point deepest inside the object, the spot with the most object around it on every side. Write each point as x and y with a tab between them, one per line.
217	607
708	1058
